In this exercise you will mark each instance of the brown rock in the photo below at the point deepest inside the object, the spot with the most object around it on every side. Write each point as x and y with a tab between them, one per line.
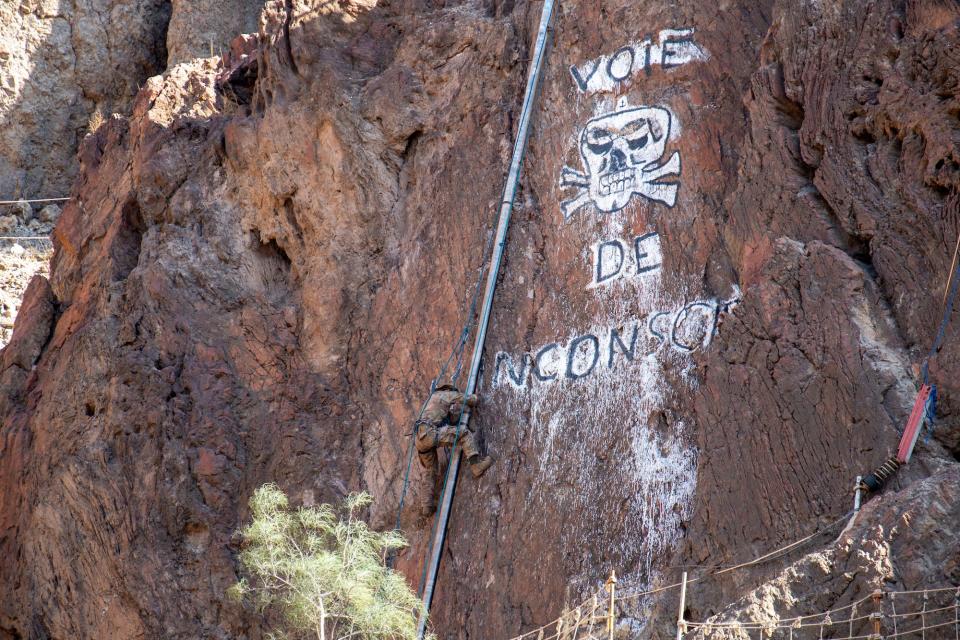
209	463
62	61
49	214
29	338
203	28
23	211
268	259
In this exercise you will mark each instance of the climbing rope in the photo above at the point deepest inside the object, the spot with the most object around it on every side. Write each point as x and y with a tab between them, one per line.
467	329
950	296
458	351
456	354
925	405
953	265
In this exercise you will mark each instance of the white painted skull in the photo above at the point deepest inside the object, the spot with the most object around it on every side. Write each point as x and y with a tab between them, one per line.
617	147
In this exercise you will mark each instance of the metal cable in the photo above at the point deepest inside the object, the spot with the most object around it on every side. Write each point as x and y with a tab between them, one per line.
720	569
34	200
827	621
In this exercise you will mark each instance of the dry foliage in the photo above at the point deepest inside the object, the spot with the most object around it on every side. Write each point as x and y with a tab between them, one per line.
324	571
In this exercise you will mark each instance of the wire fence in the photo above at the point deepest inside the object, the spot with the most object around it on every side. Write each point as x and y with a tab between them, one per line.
9	241
565	620
929	614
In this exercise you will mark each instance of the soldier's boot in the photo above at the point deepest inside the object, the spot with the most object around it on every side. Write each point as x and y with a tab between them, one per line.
428	500
478	465
428	506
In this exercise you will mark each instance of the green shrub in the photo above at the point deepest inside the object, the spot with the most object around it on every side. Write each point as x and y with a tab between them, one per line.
324	571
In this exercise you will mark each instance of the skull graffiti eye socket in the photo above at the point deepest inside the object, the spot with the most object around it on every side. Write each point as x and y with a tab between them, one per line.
598	140
634	128
638	143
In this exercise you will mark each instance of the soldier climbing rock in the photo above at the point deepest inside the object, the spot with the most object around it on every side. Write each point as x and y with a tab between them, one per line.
437	427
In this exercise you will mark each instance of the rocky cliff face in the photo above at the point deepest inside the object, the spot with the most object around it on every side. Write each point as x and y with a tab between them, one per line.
61	61
729	248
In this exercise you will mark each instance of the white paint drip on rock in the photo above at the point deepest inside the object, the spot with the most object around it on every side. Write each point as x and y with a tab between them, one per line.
603	456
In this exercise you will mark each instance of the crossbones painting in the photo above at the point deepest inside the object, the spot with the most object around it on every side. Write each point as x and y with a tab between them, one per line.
621	152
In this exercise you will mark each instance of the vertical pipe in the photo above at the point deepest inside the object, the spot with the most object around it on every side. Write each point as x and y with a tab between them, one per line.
857	499
878	611
503	223
857	495
681	624
612	584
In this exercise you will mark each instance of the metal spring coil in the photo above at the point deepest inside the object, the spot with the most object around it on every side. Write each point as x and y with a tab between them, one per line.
876	480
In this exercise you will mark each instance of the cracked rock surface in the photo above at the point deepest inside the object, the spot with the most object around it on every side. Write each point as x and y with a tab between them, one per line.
62	61
268	256
19	262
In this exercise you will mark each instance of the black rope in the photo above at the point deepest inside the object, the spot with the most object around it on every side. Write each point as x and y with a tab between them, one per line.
944	321
876	480
456	354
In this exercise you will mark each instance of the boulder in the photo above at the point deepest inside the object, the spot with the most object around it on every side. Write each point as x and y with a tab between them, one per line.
8	223
23	211
49	214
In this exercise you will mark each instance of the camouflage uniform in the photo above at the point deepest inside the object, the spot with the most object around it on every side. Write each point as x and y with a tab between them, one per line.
437	427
